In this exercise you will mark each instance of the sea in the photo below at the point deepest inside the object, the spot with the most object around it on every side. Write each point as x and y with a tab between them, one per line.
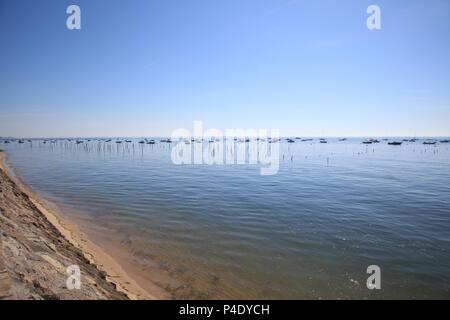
315	229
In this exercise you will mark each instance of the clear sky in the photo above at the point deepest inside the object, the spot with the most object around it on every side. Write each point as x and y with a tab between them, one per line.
144	68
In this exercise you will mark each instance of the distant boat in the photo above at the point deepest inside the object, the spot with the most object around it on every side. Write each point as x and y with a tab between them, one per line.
304	140
79	141
142	142
118	141
128	141
429	142
151	142
444	141
20	141
323	141
290	141
394	143
367	142
343	139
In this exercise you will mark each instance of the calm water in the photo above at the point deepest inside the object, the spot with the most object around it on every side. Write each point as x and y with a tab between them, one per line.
310	231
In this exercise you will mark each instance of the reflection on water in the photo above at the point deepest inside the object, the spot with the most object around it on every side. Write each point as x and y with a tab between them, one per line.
215	231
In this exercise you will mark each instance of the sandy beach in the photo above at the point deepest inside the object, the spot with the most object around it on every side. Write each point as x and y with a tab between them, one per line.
37	246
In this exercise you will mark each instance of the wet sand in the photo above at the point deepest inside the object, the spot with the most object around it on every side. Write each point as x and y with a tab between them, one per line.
37	245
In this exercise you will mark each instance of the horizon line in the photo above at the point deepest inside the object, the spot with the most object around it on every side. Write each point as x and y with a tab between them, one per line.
168	136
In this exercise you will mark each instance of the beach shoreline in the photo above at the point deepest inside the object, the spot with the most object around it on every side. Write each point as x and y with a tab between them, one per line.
95	255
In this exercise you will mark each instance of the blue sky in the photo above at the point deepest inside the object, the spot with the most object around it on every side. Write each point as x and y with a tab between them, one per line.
143	68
